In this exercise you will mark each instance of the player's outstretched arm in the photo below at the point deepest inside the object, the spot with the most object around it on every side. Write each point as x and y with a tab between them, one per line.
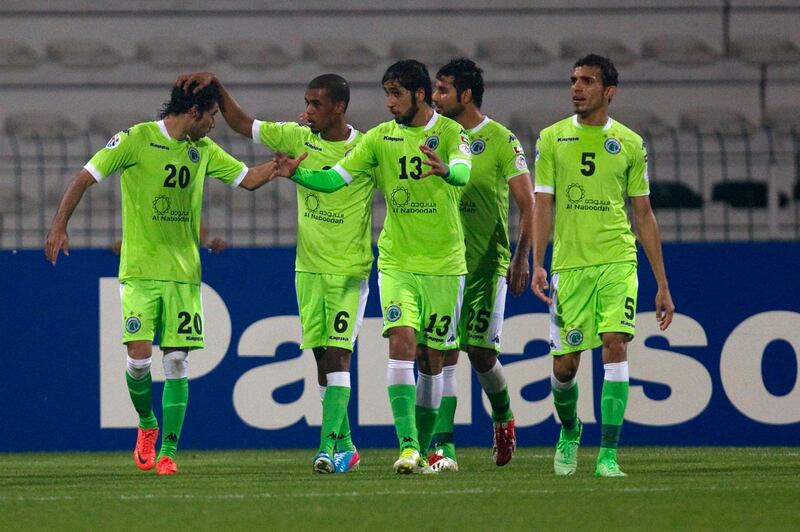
542	225
234	115
57	238
519	271
457	175
650	237
266	172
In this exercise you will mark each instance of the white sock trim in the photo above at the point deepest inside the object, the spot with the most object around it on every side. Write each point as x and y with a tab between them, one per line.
176	365
449	381
400	372
139	368
494	380
429	390
338	378
322	392
563	386
616	371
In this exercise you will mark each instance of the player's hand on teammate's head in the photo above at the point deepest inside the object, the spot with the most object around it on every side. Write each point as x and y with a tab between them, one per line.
438	167
665	308
539	284
57	240
285	166
201	79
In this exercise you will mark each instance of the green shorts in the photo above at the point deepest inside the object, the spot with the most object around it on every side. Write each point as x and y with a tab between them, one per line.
588	302
481	321
173	311
430	304
331	308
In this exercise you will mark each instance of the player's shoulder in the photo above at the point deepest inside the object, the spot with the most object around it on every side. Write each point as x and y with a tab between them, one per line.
556	128
448	124
496	129
621	130
132	134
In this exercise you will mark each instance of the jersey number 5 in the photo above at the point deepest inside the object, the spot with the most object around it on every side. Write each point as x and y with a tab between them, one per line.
587	163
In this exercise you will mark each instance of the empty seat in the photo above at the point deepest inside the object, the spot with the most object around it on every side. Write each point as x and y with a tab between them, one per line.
679	50
432	51
673	195
83	53
783	119
172	53
527	122
748	194
339	53
765	49
577	47
712	120
14	54
108	123
248	53
30	125
642	121
366	119
511	51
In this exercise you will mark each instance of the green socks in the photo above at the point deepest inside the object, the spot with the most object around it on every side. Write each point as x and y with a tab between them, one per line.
426	420
176	395
141	392
613	401
501	406
443	432
344	440
334	414
402	398
566	403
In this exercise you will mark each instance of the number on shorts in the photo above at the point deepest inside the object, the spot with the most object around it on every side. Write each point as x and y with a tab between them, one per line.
340	322
630	309
444	324
478	321
185	326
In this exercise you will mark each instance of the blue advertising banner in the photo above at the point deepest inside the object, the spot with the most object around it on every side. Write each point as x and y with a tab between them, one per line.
725	373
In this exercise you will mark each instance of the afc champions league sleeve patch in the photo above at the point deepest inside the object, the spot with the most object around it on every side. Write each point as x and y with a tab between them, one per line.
113	142
520	162
194	155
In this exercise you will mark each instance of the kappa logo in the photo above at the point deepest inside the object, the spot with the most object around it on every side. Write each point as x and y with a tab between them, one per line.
133	324
194	155
393	313
171	437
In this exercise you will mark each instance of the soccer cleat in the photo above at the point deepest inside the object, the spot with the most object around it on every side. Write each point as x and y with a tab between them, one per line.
410	462
607	465
145	452
323	463
438	462
345	461
505	442
166	466
565	461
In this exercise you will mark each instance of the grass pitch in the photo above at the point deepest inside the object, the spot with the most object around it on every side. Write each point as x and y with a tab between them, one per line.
667	489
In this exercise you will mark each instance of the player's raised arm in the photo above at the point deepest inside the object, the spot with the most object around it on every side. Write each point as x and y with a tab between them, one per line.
57	237
236	117
281	165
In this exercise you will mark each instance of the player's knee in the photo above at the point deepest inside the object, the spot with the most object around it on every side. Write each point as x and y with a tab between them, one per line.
176	364
138	368
482	360
564	369
615	347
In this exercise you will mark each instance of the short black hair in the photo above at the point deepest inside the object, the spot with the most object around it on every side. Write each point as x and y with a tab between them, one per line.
336	86
609	71
466	75
412	75
183	99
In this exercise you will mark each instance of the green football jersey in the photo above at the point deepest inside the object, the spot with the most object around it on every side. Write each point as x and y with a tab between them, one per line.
334	231
422	232
497	156
591	170
162	195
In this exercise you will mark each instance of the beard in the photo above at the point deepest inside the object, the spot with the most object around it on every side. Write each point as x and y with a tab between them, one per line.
407	117
452	112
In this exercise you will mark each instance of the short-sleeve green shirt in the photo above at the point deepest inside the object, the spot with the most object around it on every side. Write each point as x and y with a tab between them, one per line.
162	195
422	232
334	231
591	170
497	156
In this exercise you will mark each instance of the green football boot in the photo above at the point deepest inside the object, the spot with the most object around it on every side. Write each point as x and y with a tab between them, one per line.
566	460
607	465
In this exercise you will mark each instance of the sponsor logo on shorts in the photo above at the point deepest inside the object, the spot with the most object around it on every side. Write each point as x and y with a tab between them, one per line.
133	324
574	337
612	146
432	142
194	155
627	323
393	313
477	147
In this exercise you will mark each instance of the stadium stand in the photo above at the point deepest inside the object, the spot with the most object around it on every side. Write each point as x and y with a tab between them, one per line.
247	53
678	50
511	52
83	53
337	52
